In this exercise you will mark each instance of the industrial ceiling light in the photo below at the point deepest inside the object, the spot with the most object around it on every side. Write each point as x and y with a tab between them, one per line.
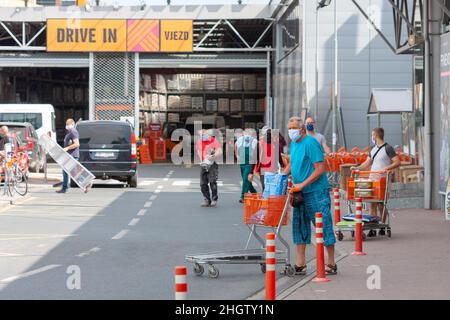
116	6
323	3
143	5
87	7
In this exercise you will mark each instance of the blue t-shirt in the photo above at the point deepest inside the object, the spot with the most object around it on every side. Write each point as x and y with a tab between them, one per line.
68	140
303	156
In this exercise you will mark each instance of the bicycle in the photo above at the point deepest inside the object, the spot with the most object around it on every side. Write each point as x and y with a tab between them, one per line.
14	178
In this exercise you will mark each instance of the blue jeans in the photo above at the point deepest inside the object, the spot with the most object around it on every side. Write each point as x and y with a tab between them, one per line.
66	179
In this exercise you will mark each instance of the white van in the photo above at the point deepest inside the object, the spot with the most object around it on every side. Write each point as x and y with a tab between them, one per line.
41	116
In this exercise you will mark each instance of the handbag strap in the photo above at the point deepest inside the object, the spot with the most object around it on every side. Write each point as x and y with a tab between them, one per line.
379	149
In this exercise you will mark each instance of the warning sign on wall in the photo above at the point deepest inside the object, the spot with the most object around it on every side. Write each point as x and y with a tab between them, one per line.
176	35
86	35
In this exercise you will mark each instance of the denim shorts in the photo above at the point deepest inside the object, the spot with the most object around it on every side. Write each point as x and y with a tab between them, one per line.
303	216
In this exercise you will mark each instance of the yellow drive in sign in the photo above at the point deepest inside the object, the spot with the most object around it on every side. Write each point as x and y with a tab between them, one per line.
176	36
75	35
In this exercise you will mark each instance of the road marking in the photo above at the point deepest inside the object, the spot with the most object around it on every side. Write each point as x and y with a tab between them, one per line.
142	212
6	254
32	236
182	183
30	273
120	235
147	183
166	179
93	250
134	222
170	172
158	191
153	197
160	187
148	204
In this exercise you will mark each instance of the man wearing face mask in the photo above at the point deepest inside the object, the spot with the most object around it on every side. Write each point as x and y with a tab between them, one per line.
245	150
72	147
310	130
309	177
208	150
382	158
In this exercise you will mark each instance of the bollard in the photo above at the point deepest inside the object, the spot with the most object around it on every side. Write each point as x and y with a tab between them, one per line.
358	229
270	266
337	206
320	252
180	283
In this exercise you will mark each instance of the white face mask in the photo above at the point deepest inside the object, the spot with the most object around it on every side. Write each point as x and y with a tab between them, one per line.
294	134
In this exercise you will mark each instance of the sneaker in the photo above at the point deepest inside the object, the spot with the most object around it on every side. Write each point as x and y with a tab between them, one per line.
213	203
62	191
205	203
300	270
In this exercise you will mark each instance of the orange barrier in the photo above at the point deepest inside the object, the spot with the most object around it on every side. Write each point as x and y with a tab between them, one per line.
180	283
358	230
337	206
270	266
320	254
266	212
144	154
158	149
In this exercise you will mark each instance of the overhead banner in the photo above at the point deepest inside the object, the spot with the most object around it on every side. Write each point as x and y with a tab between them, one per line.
66	35
133	35
176	35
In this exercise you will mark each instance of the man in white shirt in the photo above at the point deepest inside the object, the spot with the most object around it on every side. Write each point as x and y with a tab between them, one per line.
310	131
382	158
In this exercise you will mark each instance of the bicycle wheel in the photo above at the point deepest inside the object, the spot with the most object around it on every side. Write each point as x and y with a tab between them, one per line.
20	183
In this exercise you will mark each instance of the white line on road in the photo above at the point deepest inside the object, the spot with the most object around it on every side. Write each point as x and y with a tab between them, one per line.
147	183
30	273
93	250
153	197
6	254
182	183
166	179
148	204
142	212
158	191
160	187
120	235
134	222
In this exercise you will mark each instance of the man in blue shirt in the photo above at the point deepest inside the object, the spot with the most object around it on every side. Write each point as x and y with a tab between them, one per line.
308	173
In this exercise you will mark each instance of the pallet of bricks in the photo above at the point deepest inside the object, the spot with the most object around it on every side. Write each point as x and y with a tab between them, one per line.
155	145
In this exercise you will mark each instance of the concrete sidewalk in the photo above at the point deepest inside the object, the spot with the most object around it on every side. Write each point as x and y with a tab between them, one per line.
414	263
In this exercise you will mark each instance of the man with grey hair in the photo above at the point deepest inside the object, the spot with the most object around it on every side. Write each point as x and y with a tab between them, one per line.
309	177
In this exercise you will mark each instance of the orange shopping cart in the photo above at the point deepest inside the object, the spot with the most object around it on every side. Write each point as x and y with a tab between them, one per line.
371	187
271	213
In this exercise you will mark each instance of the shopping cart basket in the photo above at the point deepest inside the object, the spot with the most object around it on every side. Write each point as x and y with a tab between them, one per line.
272	213
371	187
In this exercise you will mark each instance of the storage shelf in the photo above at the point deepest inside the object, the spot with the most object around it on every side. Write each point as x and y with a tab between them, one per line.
204	92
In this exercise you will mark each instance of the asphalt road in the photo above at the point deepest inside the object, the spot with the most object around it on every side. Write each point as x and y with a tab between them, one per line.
125	243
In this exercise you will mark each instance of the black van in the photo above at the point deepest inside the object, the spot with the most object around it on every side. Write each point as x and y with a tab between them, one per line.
108	150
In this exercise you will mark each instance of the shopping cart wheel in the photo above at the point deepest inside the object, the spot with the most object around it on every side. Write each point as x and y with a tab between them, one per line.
364	236
289	271
389	233
213	272
263	267
198	269
340	236
353	233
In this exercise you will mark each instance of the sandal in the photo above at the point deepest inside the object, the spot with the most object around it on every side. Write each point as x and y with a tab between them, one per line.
300	270
330	269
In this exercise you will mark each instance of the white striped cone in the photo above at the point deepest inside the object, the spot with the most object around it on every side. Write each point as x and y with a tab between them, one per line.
270	266
180	283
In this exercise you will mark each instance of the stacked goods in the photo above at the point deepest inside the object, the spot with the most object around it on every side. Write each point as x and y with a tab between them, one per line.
184	82
197	83
160	82
211	105
174	117
223	82
197	103
154	100
236	82
235	105
260	105
260	125
249	105
250	125
261	84
146	100
162	102
224	105
57	94
68	94
249	82
173	103
158	117
210	82
172	84
147	82
185	102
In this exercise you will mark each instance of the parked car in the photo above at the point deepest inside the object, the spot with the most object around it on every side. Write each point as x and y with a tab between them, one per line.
41	116
20	153
29	139
108	149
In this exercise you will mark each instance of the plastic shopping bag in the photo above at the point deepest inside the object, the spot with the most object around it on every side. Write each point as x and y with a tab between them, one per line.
270	185
281	184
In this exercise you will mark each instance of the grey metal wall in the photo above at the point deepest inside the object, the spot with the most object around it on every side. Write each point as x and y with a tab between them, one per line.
287	66
365	62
